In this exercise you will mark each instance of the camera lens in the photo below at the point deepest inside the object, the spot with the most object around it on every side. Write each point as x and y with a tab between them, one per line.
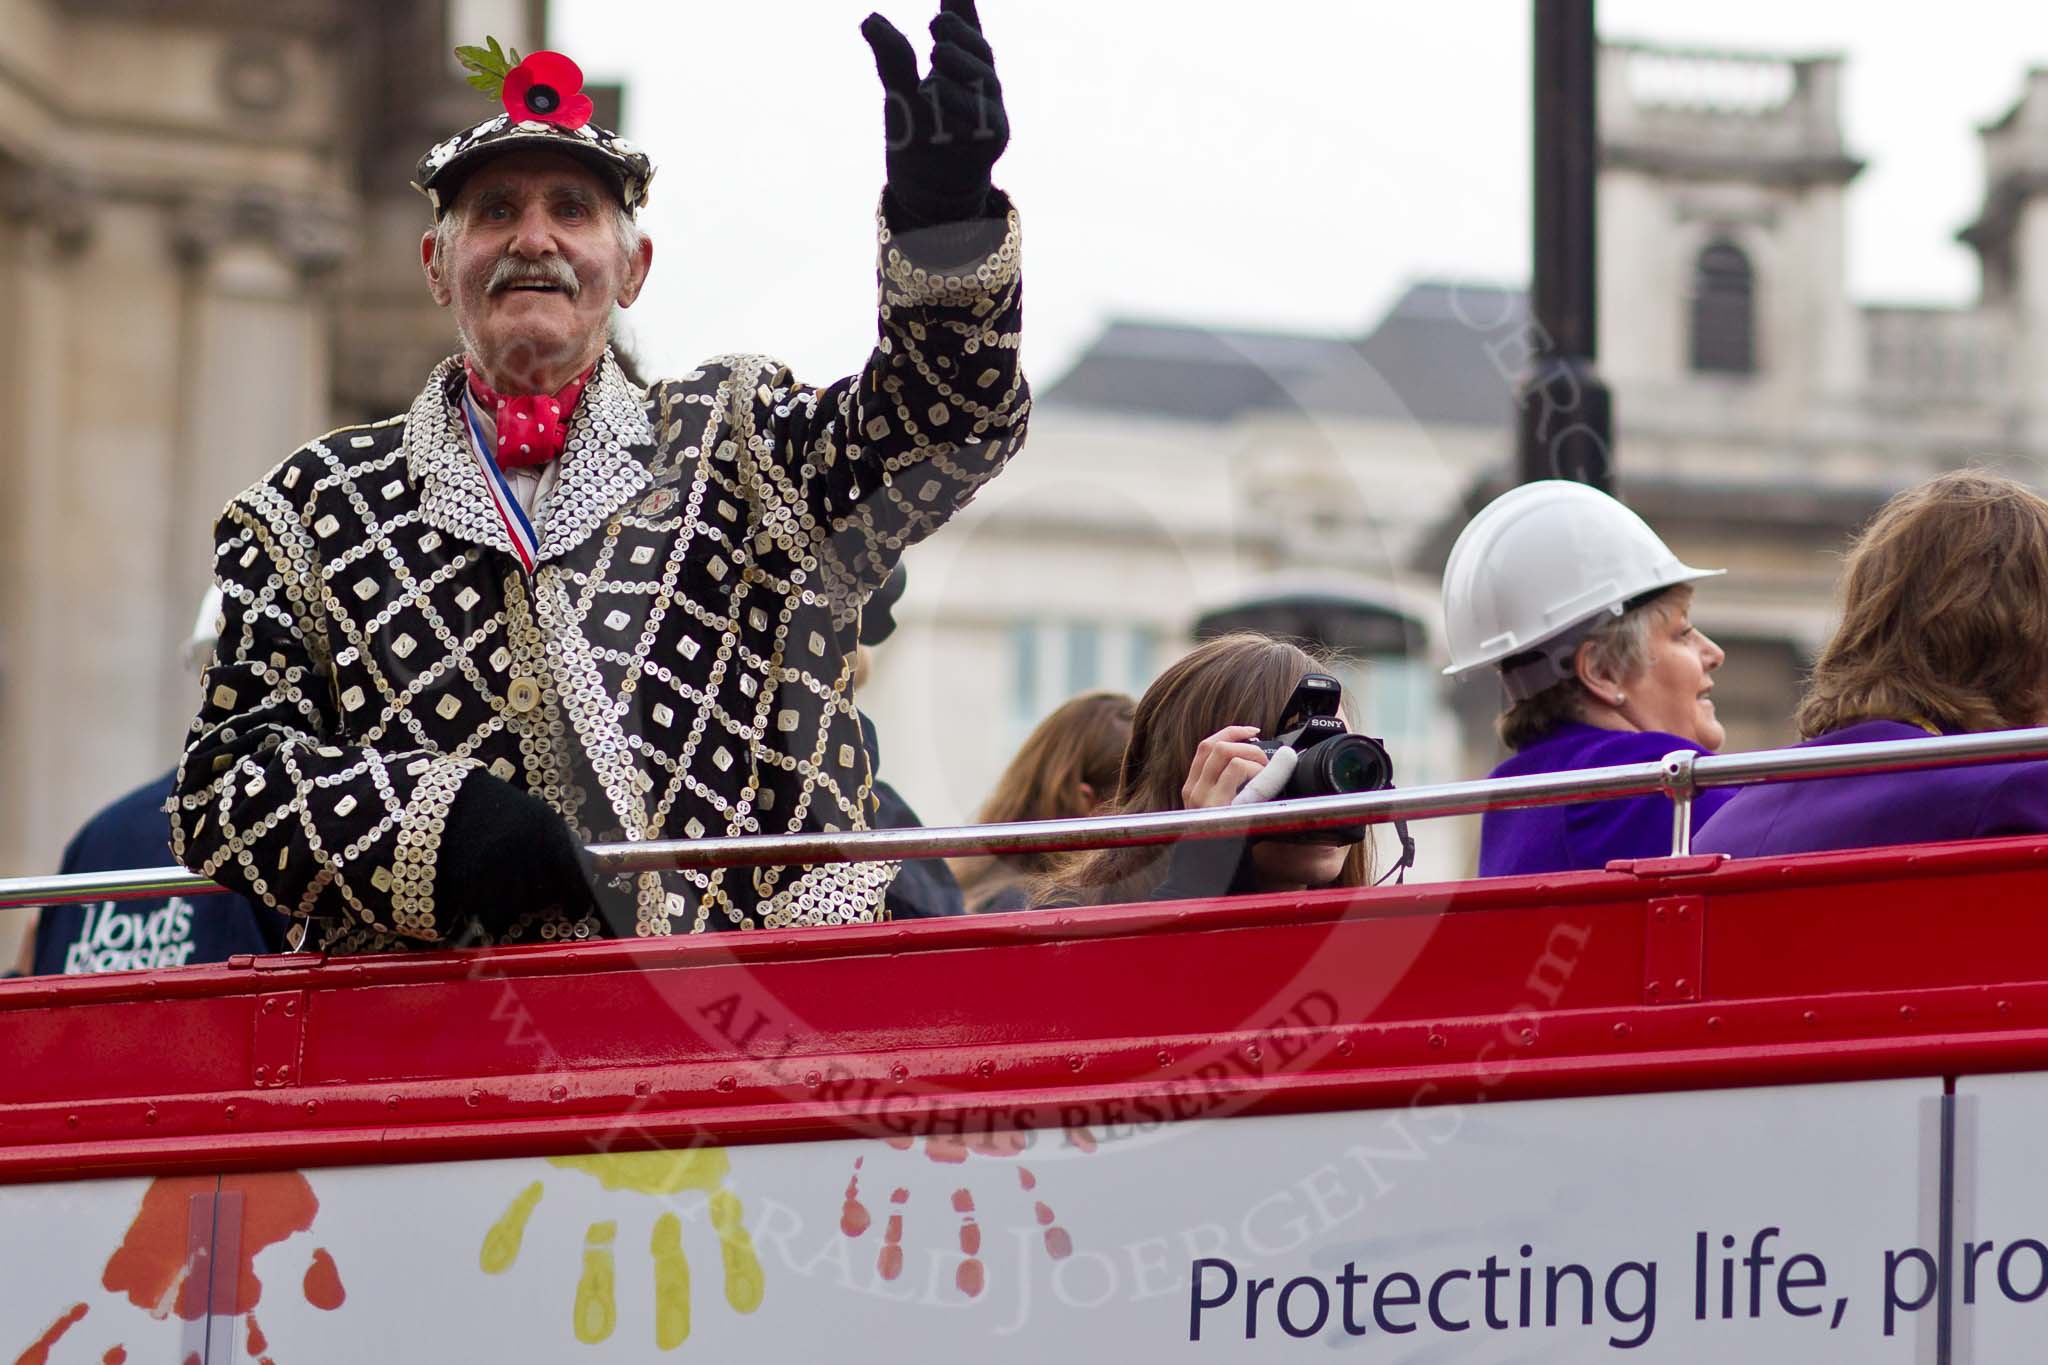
1341	765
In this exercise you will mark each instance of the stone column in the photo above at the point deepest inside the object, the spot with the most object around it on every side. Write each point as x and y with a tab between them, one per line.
255	363
92	379
39	228
2030	302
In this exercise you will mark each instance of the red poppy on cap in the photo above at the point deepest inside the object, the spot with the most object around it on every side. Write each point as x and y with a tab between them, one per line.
547	88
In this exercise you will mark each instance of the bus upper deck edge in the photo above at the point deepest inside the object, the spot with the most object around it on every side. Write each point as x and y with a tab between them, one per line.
1663	974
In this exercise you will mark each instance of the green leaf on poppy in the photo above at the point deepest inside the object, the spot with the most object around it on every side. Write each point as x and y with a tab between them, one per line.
487	66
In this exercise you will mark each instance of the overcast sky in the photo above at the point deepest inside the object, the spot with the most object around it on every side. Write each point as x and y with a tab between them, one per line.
1276	166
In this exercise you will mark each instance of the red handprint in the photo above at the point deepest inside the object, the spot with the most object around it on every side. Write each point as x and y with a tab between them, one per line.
972	1275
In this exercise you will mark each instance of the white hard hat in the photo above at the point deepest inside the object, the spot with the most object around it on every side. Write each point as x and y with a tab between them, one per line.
1539	565
205	631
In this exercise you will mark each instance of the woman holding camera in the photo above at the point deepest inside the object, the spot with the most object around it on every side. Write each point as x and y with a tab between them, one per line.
1944	632
1588	618
1194	744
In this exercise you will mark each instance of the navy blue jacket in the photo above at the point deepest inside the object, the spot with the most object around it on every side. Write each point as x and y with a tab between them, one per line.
925	888
140	935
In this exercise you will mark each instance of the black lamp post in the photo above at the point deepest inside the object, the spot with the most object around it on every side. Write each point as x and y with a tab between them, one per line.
1565	426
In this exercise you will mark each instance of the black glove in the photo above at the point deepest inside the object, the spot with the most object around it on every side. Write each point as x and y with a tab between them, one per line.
945	131
504	853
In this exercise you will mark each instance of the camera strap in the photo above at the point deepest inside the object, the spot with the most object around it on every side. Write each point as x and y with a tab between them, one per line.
1399	871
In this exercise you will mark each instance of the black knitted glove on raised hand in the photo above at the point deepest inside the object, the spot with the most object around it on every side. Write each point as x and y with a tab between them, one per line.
946	130
504	853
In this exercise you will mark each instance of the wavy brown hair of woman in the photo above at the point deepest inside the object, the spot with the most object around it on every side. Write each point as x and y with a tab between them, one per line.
1944	613
1240	679
1075	751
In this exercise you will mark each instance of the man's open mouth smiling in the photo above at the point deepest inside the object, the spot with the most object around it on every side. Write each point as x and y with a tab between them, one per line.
535	287
529	277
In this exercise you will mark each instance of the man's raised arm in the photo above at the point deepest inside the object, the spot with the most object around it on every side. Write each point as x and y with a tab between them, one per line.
864	467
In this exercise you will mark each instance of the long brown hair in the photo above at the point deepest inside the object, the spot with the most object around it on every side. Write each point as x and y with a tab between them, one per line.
1944	613
1075	750
1241	679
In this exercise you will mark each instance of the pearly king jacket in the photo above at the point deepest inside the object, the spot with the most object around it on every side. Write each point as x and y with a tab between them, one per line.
678	664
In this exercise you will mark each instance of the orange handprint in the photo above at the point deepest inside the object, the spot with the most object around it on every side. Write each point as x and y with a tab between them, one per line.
972	1275
166	1268
660	1174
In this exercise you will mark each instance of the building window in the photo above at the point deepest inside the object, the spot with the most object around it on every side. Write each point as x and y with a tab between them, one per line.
1141	660
1723	310
1024	665
1084	656
1054	659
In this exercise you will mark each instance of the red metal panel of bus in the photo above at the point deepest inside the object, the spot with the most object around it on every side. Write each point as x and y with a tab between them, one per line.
1664	974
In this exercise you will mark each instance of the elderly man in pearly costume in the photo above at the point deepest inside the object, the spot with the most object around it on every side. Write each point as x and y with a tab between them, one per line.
545	607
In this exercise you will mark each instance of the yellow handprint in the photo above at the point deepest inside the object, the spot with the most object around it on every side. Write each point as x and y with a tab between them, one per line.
652	1173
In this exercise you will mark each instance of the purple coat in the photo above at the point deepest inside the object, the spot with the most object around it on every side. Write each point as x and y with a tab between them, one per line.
1883	808
1587	835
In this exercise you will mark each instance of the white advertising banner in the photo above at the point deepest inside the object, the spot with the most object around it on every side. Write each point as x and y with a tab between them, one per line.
1997	1267
1759	1225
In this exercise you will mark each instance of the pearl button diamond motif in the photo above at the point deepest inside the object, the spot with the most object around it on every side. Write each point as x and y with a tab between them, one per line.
691	667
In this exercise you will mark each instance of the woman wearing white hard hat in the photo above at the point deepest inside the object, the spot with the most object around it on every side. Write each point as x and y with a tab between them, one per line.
1588	619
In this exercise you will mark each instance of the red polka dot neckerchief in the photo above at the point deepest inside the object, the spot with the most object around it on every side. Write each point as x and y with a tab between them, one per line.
531	427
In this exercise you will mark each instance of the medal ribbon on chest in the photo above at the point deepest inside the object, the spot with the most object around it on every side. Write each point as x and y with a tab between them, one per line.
518	527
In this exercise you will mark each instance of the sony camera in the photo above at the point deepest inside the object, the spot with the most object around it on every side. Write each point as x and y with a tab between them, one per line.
1330	760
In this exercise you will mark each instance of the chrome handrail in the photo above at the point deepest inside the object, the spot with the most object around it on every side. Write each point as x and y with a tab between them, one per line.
1679	776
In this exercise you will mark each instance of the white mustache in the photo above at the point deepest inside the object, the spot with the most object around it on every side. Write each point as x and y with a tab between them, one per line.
511	271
